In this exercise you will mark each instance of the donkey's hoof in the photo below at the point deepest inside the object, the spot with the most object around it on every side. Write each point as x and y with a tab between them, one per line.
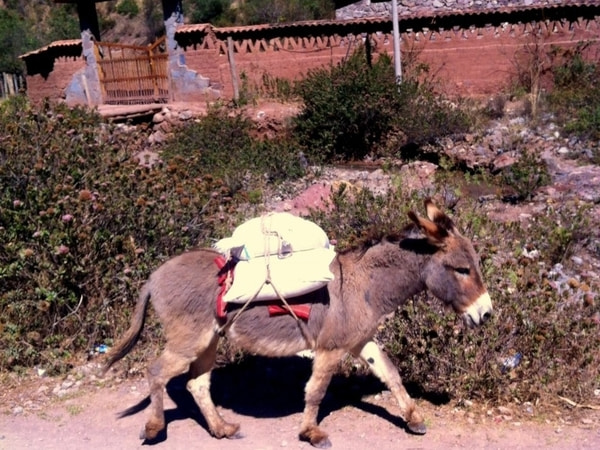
151	431
237	435
417	427
234	432
316	437
229	431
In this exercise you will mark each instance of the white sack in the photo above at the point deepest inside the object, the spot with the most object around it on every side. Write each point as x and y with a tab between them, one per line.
272	234
301	273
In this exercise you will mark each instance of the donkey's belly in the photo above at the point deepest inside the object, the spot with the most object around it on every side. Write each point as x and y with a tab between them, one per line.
257	332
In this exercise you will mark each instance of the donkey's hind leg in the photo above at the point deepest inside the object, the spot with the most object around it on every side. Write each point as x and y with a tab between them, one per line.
199	387
382	367
324	366
167	366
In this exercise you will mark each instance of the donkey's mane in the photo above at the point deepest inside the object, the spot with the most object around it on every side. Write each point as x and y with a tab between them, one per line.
378	235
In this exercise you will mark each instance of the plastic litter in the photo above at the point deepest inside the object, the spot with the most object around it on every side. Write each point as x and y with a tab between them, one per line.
511	362
102	348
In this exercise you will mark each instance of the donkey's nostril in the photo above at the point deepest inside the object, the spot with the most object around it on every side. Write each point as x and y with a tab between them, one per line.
486	316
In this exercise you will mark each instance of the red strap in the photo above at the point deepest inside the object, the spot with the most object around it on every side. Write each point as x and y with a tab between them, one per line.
302	311
220	261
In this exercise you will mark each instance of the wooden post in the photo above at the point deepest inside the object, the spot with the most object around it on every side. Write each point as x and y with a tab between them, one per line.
234	80
88	18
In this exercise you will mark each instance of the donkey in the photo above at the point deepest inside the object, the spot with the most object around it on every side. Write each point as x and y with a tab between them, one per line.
370	283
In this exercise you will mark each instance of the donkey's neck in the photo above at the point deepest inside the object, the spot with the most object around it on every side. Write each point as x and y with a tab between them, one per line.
394	275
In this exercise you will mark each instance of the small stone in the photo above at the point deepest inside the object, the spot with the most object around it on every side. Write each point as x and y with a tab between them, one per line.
504	410
185	115
577	260
17	410
158	118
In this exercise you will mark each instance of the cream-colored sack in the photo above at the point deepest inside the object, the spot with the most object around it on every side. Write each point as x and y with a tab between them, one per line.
292	252
301	273
274	234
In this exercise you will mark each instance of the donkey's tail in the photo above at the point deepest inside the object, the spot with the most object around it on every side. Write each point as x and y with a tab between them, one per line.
132	335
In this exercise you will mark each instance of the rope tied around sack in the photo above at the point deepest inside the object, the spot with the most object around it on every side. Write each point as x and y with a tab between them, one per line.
281	253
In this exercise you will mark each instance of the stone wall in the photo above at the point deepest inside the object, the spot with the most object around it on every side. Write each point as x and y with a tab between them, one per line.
368	8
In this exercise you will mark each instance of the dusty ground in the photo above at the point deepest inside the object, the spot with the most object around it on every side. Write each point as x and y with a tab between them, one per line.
265	396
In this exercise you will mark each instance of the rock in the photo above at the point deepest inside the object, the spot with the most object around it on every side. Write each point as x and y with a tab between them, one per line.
185	115
158	118
418	175
165	126
502	162
158	137
504	411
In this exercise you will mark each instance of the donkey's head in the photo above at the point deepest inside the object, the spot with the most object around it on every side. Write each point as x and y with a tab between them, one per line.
452	273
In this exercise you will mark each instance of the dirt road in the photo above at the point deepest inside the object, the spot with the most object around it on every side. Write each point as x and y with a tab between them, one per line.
80	411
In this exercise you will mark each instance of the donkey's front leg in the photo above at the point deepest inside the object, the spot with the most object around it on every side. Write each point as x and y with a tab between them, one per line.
382	367
324	366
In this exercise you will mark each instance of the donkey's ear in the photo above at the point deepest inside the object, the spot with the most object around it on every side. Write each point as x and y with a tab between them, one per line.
434	233
438	217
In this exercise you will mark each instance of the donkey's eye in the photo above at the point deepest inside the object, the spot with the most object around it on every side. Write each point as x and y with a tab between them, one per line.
463	270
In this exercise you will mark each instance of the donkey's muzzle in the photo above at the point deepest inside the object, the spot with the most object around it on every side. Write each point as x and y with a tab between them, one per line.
479	311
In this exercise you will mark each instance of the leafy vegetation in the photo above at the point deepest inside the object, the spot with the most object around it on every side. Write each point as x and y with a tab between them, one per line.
355	109
82	224
575	98
128	8
13	41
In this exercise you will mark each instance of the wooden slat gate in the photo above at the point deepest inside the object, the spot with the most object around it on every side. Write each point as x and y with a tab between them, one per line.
10	84
131	74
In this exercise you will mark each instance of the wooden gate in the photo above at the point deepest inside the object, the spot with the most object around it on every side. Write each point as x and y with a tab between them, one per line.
131	74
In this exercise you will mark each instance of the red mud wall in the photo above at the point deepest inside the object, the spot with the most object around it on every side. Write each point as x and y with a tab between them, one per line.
485	61
287	57
54	84
473	62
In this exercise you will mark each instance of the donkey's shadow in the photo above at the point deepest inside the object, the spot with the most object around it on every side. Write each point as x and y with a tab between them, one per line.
274	387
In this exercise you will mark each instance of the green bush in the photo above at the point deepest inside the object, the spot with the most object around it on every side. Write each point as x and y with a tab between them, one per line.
277	11
526	175
128	8
82	224
62	24
352	109
575	98
223	141
13	41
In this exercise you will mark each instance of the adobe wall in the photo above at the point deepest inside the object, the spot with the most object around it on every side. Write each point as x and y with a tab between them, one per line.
288	57
54	85
485	61
474	62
